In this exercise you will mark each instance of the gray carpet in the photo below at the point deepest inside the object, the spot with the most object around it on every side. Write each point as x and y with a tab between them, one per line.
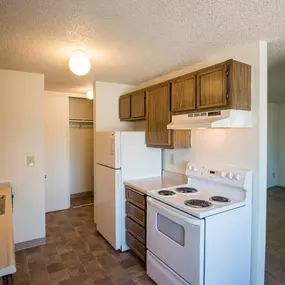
275	246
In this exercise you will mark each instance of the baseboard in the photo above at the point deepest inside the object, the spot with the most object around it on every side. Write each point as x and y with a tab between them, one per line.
83	194
274	187
30	243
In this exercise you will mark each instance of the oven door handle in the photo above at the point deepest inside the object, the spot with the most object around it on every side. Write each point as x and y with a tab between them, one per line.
167	209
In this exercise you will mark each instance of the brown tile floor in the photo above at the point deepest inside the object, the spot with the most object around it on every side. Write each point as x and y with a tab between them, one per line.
275	245
75	253
75	202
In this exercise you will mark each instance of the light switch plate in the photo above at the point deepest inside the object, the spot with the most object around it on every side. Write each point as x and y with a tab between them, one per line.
30	161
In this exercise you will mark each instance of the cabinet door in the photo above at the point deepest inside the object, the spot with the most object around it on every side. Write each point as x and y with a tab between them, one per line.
158	116
125	107
212	87
183	93
138	105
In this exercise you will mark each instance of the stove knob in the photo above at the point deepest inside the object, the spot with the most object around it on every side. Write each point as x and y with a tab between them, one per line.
190	167
238	177
195	169
223	174
230	175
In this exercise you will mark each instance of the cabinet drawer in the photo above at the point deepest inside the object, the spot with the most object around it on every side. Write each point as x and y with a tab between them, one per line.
137	231
137	247
136	214
135	198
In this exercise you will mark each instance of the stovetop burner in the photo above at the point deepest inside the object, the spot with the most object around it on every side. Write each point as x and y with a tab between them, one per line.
195	203
186	190
166	193
220	199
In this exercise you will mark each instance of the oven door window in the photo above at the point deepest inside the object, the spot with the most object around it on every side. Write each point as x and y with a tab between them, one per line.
171	229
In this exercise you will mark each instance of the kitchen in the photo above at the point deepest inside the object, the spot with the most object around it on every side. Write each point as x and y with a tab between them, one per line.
202	147
148	209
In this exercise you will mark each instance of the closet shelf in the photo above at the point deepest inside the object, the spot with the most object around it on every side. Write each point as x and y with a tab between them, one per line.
85	121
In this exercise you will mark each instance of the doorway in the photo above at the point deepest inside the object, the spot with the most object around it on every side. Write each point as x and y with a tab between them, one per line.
81	152
275	244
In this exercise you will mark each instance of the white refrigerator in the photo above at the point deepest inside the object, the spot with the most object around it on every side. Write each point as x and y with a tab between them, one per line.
120	156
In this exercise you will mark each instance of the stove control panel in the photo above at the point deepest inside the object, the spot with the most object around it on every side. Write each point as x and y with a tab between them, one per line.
230	175
222	174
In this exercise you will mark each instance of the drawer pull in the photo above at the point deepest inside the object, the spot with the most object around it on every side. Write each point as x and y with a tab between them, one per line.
136	230
136	214
137	247
136	198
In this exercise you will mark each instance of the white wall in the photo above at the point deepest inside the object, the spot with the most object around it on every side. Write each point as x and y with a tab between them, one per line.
272	145
81	159
245	148
22	135
106	105
281	144
57	151
276	145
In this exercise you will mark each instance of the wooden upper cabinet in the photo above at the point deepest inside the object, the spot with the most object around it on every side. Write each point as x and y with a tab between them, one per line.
138	105
224	86
132	106
158	116
212	88
183	93
125	107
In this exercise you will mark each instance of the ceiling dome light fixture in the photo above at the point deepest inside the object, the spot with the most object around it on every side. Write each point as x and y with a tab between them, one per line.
90	95
79	63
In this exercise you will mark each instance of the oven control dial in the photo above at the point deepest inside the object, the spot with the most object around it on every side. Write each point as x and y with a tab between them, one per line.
230	175
238	177
190	167
223	174
195	169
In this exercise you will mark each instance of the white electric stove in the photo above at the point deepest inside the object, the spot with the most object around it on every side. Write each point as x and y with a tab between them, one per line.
200	233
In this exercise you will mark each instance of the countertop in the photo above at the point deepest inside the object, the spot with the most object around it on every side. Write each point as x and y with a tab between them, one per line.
168	179
7	251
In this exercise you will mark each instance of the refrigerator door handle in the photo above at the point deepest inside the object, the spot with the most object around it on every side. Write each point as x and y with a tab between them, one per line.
118	156
112	146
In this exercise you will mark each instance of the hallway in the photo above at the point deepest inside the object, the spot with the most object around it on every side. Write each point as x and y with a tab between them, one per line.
275	246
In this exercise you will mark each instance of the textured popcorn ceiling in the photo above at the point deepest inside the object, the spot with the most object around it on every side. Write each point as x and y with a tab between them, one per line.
129	41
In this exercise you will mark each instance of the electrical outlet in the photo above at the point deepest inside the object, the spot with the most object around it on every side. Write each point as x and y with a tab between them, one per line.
30	161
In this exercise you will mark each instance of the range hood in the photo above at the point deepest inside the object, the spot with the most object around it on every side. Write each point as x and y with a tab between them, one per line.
212	119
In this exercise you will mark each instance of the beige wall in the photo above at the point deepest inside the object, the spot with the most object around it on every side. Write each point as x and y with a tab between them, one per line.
81	159
22	135
80	108
107	110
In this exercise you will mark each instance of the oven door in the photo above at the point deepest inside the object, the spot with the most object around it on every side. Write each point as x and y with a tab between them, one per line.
177	239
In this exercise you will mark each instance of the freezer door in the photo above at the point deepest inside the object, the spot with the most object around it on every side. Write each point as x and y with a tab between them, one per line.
108	149
108	204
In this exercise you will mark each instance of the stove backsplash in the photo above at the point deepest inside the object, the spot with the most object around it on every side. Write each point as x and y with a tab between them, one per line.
224	146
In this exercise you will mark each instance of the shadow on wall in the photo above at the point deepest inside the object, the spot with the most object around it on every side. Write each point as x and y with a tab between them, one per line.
276	84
